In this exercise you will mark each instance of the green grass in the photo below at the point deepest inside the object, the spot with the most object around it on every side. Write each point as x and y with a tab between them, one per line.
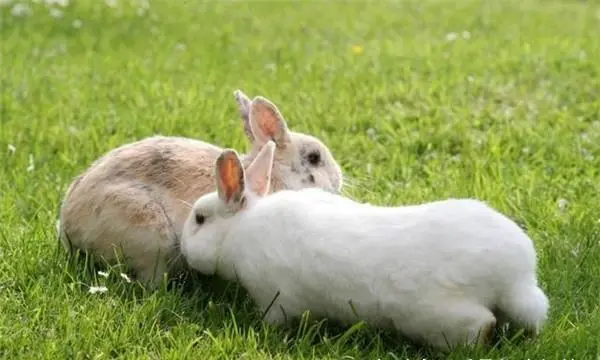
508	113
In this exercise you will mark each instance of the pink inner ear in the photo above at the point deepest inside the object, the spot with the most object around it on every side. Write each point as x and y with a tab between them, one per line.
268	122
231	177
259	186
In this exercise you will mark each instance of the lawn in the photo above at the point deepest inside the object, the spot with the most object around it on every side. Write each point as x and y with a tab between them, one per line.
418	101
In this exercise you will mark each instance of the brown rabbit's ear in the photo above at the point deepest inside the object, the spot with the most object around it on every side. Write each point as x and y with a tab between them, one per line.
230	177
244	108
259	171
267	123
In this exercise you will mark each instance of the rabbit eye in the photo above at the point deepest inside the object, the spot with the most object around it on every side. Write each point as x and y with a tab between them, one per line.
314	158
200	219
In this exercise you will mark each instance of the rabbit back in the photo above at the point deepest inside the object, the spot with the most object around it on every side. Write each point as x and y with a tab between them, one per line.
417	268
133	201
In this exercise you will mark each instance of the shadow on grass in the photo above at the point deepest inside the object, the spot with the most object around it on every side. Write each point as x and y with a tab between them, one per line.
225	308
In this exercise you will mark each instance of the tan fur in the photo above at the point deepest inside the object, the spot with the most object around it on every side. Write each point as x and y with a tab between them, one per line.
132	202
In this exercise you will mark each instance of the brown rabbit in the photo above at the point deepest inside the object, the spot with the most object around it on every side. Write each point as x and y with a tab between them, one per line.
132	202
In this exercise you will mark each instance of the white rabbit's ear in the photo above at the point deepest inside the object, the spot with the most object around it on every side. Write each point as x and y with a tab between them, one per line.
258	173
267	123
244	108
230	177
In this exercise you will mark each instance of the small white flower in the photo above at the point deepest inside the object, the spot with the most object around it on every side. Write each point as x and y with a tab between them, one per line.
562	204
103	273
98	289
451	36
466	35
20	10
125	277
372	133
180	47
12	148
77	24
56	13
111	3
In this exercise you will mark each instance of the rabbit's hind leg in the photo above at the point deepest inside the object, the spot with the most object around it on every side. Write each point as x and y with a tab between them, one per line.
448	325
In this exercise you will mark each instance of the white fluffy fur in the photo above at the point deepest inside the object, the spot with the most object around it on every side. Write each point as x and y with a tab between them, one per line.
437	272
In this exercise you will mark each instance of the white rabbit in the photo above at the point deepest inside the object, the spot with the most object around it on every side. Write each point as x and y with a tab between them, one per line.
132	202
440	272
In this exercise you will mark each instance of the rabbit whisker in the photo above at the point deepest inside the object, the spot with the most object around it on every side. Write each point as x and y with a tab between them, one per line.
186	203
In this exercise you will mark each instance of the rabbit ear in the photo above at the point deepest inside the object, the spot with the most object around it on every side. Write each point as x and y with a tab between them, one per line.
230	177
259	171
244	108
267	123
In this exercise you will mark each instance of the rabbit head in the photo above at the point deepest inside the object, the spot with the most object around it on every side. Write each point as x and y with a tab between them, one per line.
237	189
300	160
